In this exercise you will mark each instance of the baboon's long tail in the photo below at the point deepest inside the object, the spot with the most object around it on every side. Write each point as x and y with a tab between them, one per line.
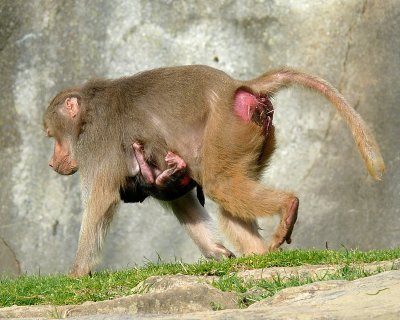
273	81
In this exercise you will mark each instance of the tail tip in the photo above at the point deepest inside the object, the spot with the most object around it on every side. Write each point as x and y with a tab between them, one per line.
376	168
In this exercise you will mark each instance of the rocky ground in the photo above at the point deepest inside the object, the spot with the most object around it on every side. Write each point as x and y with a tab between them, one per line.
192	297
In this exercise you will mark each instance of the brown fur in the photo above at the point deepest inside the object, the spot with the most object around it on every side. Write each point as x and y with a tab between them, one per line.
189	111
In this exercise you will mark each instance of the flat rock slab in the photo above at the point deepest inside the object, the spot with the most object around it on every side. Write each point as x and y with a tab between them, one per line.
192	297
156	295
376	297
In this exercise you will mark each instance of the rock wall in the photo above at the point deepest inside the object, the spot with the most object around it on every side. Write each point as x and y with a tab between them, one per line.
47	45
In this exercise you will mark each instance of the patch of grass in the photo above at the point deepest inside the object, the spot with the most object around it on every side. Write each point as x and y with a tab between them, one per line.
60	290
256	290
251	291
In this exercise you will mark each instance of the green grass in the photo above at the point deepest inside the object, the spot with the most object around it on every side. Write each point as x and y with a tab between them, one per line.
251	291
60	290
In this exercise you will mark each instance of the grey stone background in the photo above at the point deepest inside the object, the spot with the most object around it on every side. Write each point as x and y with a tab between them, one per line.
47	45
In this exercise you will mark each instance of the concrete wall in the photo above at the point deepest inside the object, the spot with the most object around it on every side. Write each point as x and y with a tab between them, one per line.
47	45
